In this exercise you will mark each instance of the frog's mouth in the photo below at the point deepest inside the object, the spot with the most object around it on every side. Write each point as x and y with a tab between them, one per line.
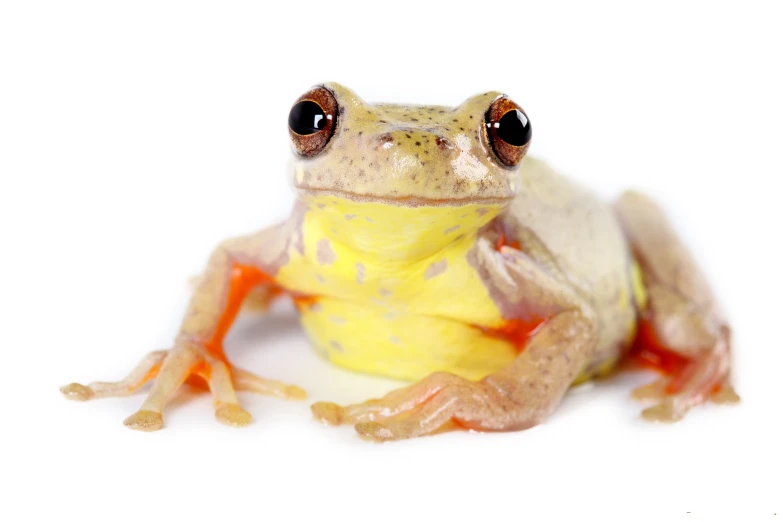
402	200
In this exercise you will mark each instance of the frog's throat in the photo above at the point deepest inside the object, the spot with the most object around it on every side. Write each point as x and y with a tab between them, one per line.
396	232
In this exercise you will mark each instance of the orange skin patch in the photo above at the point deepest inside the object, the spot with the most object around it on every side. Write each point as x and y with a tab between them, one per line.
304	301
502	241
243	279
649	352
516	331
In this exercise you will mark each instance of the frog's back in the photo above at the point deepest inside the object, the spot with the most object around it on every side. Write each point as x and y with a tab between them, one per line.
560	223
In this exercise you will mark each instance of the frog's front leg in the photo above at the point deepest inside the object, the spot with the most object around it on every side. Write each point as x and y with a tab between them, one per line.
235	268
681	329
515	398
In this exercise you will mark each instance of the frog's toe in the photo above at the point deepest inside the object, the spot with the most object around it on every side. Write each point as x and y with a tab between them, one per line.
247	381
725	395
144	371
77	392
654	391
665	411
328	413
232	415
376	431
145	420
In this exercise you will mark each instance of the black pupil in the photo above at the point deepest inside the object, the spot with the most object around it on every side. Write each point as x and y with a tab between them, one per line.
306	117
514	128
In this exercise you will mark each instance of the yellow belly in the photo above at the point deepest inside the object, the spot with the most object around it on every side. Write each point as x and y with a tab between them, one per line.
371	338
376	306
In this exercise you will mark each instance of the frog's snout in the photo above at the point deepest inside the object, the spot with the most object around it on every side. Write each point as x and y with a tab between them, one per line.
415	142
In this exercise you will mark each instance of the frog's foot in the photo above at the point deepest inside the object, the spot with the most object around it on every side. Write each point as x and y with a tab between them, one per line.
437	402
659	390
681	332
170	369
671	406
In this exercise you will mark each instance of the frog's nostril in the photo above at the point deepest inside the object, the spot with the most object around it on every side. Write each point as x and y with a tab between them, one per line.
385	140
443	143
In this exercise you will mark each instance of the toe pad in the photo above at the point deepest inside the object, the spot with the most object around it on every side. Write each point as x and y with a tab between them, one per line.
144	420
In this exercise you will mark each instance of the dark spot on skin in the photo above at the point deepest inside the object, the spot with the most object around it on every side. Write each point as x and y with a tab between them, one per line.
454	120
324	253
350	162
399	143
381	121
418	144
441	112
426	152
462	128
471	116
408	136
436	269
361	132
414	119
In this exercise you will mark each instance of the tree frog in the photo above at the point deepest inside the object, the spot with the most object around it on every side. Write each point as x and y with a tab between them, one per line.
425	246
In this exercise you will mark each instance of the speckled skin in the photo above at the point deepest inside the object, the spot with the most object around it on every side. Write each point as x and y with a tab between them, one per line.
413	252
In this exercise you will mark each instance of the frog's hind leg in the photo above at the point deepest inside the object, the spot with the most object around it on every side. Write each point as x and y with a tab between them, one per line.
681	330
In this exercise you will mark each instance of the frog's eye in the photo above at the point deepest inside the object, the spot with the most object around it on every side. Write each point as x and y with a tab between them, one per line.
508	131
312	121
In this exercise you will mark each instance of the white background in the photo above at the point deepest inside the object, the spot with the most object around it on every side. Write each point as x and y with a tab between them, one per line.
136	135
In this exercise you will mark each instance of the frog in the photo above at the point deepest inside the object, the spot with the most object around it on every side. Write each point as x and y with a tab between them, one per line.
425	245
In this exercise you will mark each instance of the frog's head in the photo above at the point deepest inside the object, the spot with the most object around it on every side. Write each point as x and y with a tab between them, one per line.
382	162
